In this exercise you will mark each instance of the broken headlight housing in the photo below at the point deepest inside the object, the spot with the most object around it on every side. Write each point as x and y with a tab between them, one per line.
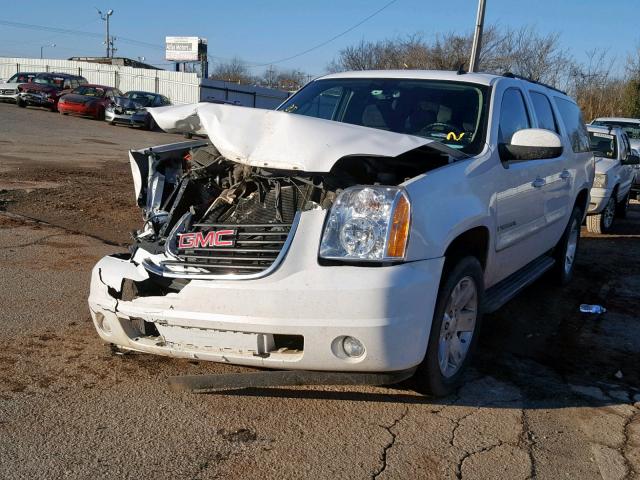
367	223
600	180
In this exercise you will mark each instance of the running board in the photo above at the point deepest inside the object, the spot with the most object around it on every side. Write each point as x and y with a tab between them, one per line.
282	378
503	291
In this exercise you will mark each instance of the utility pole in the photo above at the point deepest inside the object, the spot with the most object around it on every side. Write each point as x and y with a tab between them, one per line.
108	41
477	37
42	48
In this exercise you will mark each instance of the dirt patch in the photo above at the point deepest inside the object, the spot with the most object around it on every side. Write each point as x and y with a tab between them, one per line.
100	203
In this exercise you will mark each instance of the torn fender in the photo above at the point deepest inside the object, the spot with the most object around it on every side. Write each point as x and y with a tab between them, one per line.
273	139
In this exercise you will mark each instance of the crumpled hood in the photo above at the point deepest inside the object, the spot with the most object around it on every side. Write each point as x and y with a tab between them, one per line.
38	87
128	104
603	165
268	138
75	98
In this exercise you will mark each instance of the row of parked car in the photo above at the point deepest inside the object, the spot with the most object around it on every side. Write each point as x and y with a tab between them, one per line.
74	95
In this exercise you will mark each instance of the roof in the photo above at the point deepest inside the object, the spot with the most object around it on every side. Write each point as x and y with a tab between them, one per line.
487	79
95	85
602	129
617	119
480	78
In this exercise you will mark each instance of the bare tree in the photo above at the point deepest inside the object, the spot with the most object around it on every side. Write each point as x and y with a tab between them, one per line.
235	70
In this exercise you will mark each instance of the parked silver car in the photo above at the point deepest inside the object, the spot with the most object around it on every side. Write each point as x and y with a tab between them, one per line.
131	109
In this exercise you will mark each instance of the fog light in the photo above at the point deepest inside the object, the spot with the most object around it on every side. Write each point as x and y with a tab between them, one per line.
103	324
352	347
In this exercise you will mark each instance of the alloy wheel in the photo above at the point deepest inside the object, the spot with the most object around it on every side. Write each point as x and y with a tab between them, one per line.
458	326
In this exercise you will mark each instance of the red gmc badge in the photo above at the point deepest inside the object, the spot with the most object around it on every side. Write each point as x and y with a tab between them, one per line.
210	239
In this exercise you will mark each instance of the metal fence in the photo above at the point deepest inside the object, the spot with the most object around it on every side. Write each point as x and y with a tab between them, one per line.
180	87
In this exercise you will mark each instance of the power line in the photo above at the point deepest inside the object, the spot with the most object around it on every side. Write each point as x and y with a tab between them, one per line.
331	39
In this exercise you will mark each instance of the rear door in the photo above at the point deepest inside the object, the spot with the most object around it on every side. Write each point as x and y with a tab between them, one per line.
557	172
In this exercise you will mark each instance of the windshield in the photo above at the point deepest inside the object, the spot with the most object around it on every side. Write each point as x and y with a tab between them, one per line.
603	144
89	91
453	113
632	129
141	98
48	80
21	78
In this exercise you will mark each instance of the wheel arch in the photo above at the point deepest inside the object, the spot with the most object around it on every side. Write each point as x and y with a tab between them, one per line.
473	242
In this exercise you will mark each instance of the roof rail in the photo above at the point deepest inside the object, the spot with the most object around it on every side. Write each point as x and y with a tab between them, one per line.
520	77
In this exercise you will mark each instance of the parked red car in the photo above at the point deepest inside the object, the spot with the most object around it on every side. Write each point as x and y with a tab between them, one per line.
88	100
45	89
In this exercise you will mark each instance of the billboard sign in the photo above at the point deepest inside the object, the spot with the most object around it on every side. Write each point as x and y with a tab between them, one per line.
184	49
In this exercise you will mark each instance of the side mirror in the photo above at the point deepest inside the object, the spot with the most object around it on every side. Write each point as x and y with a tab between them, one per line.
532	144
631	159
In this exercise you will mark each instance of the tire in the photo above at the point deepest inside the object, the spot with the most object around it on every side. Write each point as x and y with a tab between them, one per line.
441	378
188	135
623	206
567	248
100	114
602	222
21	103
151	124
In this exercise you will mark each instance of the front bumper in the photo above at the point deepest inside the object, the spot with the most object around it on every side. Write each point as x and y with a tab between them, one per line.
78	109
598	200
8	97
389	309
37	100
135	119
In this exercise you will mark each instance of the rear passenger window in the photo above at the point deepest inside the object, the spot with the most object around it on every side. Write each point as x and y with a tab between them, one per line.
574	124
544	112
513	115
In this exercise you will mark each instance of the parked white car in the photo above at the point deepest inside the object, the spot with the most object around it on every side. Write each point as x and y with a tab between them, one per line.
364	227
630	126
615	175
9	89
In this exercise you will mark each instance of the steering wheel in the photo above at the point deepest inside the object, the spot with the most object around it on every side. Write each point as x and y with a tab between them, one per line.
441	127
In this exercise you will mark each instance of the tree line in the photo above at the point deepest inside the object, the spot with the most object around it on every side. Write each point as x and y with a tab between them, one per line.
598	86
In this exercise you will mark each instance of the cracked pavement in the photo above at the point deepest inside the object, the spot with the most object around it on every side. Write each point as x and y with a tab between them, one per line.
541	401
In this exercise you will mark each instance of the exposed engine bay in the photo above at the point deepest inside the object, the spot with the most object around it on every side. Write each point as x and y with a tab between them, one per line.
212	217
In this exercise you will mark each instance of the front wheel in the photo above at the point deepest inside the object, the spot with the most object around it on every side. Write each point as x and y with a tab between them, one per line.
602	222
21	103
454	329
567	248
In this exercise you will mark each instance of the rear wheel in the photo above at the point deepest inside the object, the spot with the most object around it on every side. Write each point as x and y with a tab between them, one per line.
100	114
567	248
21	103
602	222
454	329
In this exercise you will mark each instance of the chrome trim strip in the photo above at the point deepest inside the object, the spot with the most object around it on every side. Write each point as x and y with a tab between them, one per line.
163	271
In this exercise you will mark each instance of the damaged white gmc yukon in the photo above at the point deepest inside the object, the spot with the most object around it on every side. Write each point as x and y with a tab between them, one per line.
363	227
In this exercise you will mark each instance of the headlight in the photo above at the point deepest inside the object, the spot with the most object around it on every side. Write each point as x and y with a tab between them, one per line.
600	181
367	223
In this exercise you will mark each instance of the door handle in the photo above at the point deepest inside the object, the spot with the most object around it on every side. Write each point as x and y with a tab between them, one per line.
565	175
539	182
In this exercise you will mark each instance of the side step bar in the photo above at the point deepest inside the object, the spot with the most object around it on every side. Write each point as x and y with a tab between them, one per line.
502	292
282	378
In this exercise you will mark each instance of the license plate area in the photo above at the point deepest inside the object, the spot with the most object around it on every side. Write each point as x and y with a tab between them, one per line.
217	340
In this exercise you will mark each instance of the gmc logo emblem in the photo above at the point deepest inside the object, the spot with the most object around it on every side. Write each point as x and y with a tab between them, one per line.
211	239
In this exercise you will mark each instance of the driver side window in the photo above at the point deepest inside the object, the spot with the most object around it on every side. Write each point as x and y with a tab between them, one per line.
513	115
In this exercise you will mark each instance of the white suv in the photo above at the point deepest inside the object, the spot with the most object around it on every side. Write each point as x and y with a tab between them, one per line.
614	177
364	227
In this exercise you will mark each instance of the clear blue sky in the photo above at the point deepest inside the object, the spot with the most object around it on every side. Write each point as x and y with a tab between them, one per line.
264	31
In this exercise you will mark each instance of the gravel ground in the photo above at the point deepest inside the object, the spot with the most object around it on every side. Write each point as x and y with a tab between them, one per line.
552	394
